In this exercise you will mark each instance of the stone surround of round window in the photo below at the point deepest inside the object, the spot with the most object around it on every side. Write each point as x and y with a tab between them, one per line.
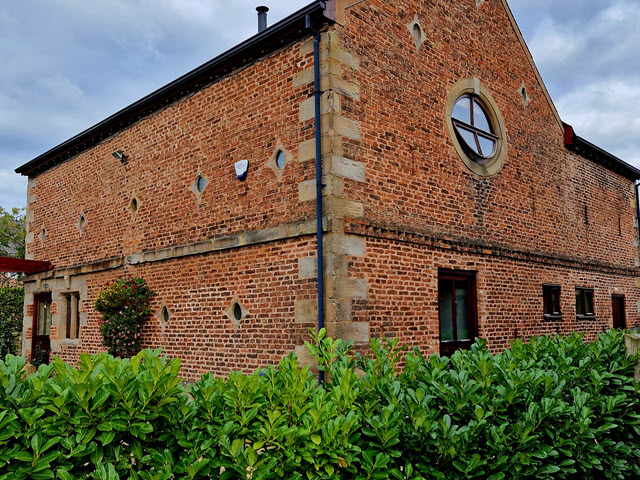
475	127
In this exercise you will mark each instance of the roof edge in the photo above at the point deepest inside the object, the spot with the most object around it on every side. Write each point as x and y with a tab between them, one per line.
527	53
243	54
592	152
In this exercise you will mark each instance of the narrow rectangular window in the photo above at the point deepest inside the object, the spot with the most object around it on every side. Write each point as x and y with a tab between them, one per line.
584	303
73	316
551	301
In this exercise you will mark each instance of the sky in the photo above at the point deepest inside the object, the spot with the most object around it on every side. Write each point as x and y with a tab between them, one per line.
68	64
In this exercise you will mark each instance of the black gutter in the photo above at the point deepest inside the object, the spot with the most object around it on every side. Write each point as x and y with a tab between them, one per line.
277	36
592	152
319	185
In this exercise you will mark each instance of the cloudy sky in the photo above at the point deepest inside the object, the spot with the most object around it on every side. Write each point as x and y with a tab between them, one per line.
67	64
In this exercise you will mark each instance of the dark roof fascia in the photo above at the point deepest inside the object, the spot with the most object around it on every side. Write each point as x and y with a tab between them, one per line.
19	265
273	38
592	152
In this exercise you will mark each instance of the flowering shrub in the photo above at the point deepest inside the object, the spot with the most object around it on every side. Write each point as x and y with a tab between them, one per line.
124	305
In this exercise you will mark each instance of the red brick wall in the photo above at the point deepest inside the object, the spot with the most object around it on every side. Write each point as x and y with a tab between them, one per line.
198	290
402	302
414	179
242	117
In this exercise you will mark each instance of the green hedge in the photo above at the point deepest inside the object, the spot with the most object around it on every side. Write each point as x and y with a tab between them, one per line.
549	409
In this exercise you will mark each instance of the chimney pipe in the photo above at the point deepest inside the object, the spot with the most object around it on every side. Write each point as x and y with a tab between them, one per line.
262	18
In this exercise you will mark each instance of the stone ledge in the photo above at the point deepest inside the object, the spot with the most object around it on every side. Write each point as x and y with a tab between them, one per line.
282	232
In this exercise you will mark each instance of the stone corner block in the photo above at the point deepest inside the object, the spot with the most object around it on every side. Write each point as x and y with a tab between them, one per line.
307	191
306	311
304	357
356	332
339	243
347	168
308	267
347	287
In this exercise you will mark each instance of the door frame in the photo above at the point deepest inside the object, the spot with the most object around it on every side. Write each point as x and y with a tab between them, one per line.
472	308
37	299
622	298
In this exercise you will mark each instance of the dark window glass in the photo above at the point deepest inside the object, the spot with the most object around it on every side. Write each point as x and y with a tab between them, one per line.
237	311
584	302
551	300
473	128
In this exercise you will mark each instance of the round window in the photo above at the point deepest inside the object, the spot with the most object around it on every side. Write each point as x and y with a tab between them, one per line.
476	127
473	128
201	184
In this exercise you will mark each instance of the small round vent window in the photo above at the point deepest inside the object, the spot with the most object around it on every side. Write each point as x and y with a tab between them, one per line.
201	183
237	311
280	160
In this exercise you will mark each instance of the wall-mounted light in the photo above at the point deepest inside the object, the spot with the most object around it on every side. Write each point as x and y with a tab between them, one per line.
119	155
241	169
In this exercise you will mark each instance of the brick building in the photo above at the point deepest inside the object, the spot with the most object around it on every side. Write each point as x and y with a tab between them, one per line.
455	202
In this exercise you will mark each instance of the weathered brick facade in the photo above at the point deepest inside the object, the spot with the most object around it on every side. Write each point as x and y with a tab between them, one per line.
399	204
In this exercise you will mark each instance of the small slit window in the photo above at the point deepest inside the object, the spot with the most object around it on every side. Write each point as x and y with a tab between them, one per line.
280	160
73	316
133	206
237	311
201	183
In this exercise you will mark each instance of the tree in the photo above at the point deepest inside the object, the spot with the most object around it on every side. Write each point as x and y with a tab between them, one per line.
11	304
12	232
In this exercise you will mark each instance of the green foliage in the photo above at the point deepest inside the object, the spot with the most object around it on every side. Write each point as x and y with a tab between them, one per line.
549	409
124	305
11	313
12	232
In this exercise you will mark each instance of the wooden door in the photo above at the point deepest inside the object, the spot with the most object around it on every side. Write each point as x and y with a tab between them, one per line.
457	310
41	344
617	304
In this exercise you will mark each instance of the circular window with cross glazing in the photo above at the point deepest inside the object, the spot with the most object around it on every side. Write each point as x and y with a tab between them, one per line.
475	127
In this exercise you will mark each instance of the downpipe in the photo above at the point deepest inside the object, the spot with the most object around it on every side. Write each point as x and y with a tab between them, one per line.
319	184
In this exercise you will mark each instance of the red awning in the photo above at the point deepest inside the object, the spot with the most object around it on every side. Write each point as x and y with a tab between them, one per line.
18	265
